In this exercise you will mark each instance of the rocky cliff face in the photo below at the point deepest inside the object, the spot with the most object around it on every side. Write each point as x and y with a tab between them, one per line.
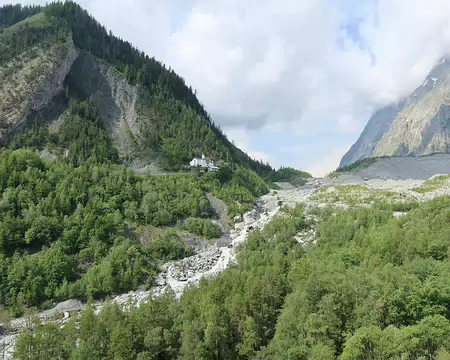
30	82
114	97
418	125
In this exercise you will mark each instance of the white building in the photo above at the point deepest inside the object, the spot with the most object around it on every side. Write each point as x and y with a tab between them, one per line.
204	164
199	162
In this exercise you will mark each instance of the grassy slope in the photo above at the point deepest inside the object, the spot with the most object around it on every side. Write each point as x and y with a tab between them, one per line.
433	184
37	21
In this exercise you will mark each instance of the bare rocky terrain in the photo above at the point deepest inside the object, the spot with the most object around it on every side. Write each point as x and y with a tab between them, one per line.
30	82
395	168
417	125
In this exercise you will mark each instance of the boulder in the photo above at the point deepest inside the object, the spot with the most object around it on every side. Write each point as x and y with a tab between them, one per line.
250	217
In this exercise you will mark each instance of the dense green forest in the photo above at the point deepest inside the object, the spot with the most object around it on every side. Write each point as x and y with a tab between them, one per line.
66	224
287	174
80	217
372	287
203	227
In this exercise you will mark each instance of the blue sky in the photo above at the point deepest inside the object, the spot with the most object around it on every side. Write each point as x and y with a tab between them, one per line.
292	81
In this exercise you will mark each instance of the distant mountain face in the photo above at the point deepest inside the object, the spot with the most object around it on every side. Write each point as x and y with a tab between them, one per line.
53	54
418	125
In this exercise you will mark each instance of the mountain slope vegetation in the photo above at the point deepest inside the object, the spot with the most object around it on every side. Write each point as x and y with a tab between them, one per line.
66	224
372	286
72	212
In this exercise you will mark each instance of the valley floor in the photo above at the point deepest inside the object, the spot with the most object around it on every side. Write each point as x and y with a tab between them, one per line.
341	191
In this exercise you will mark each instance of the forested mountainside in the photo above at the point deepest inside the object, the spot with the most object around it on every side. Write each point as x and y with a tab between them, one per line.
147	109
77	107
371	286
74	227
12	14
415	126
76	103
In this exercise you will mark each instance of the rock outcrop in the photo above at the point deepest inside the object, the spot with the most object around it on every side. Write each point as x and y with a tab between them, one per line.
30	82
418	125
114	97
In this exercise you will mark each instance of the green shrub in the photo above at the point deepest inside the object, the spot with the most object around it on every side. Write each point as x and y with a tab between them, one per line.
201	227
170	247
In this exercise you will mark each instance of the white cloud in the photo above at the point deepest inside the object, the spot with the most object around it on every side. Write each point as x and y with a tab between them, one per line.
270	68
347	123
295	72
249	59
291	66
264	55
326	163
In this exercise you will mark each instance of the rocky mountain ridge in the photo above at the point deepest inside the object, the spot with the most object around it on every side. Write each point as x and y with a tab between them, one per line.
415	126
149	113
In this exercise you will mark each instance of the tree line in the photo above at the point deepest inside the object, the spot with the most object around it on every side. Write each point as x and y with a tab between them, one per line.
11	14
